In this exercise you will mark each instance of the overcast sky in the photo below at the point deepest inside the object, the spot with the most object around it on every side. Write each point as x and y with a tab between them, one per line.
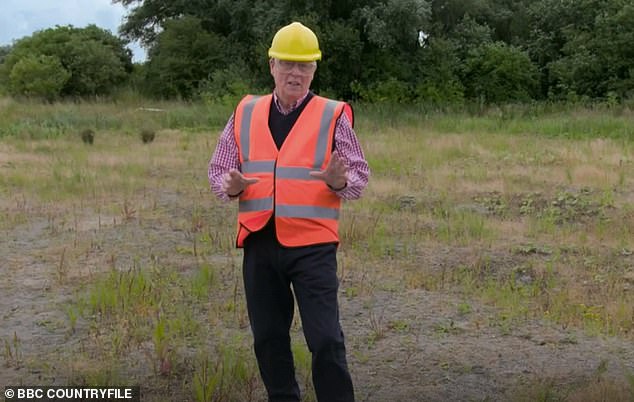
20	18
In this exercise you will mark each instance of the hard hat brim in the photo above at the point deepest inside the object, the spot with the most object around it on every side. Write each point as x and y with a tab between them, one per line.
294	57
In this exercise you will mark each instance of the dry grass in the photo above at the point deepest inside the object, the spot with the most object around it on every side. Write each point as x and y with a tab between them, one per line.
533	227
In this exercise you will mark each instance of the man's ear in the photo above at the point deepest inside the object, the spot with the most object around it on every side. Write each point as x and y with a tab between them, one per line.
271	64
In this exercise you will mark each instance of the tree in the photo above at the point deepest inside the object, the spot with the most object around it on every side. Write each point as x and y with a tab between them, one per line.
4	79
499	73
38	76
596	58
389	34
4	51
184	56
447	14
342	61
438	72
96	60
495	47
468	34
394	24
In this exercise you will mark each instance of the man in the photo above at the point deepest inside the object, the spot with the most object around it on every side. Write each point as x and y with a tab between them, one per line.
290	157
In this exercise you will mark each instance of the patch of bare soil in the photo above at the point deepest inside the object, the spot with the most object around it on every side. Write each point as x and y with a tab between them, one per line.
432	352
412	345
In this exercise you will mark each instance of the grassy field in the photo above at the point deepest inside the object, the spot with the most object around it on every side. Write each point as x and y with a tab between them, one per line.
490	228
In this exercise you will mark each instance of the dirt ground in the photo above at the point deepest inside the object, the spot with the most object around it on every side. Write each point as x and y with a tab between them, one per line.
412	345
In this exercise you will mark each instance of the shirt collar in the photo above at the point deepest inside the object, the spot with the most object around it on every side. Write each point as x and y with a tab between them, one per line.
286	111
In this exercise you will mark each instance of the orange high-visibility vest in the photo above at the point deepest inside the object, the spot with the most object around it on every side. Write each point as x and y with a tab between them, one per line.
306	210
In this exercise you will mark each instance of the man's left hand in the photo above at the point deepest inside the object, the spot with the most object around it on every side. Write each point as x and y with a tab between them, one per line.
336	173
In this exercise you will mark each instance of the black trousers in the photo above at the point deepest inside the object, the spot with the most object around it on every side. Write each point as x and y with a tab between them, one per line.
269	270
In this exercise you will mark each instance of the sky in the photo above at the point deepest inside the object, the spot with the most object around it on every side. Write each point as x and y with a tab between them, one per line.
20	18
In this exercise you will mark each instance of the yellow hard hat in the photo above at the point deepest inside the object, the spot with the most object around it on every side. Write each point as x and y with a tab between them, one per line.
295	42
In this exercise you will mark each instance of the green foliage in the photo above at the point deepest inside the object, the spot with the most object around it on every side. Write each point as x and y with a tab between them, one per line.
583	47
393	24
441	92
437	70
470	34
4	51
506	19
390	90
95	61
497	50
447	14
184	55
498	73
38	76
95	68
227	86
597	56
343	55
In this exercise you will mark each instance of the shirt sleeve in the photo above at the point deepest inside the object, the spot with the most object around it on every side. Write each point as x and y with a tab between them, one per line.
349	149
224	158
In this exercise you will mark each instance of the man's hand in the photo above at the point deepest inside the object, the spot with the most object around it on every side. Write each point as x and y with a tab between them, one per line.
336	173
234	183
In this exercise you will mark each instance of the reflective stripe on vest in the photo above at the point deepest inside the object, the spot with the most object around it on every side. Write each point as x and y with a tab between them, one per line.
245	136
303	211
322	142
294	173
258	204
258	166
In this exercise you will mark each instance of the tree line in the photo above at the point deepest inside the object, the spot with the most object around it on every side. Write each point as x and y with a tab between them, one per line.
490	51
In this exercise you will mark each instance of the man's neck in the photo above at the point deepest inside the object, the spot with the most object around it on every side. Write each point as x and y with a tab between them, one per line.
287	107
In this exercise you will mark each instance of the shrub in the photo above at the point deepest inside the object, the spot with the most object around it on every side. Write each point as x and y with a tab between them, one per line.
38	76
498	73
388	90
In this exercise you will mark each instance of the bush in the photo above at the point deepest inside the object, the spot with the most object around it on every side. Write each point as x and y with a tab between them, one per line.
227	86
90	61
184	56
440	92
342	49
436	70
389	90
38	76
499	73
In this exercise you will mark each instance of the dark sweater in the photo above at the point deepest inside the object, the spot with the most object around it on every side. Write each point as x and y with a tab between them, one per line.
280	125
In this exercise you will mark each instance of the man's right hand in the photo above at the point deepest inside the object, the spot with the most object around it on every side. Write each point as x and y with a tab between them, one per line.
234	183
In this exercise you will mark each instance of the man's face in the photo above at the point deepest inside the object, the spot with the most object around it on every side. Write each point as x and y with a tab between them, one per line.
292	79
